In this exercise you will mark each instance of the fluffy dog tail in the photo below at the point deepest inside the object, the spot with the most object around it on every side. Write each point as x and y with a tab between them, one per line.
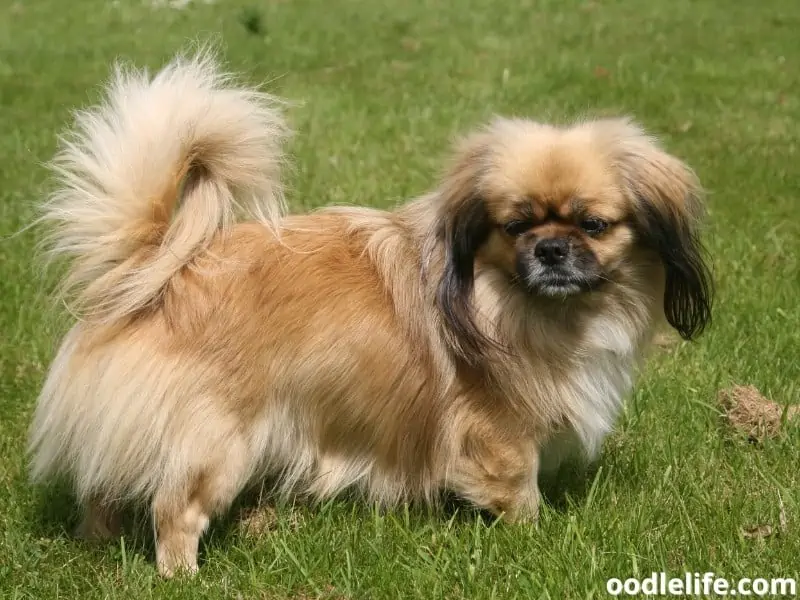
151	175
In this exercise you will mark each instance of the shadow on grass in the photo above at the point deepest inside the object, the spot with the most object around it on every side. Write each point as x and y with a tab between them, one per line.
567	486
55	513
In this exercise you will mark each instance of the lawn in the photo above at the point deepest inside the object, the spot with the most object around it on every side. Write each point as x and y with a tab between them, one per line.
380	88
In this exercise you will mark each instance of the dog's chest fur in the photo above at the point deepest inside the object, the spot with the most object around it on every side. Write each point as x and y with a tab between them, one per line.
594	389
579	378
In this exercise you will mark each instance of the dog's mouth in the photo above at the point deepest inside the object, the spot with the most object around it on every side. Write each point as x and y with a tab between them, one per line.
560	284
570	276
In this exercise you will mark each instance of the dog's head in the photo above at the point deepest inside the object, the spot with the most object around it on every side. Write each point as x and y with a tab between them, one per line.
561	210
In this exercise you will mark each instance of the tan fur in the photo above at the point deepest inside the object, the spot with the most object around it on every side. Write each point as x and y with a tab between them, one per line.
313	347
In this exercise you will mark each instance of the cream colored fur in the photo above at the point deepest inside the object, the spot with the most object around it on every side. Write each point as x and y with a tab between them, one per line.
122	164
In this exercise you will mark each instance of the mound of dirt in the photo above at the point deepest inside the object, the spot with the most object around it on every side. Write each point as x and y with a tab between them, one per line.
748	411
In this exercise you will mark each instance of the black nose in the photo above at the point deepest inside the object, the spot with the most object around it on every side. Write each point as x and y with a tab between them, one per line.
552	251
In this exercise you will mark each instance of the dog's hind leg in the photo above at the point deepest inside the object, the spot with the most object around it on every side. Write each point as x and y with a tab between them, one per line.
179	519
101	521
181	513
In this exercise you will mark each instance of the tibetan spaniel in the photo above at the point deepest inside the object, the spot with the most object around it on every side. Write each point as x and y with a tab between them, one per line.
464	341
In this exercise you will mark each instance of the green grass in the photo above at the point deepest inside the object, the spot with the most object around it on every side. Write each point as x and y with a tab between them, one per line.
381	87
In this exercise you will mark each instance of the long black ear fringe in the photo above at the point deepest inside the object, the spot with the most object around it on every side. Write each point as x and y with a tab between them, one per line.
689	291
462	234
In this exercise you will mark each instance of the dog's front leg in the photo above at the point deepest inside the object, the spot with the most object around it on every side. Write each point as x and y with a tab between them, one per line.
499	474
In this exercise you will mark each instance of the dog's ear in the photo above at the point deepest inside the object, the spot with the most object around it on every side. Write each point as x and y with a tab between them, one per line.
463	225
668	209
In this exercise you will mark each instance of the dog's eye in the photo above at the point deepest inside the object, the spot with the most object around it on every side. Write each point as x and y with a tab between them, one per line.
594	226
516	228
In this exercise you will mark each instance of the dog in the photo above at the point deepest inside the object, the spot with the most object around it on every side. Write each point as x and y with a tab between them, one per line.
465	341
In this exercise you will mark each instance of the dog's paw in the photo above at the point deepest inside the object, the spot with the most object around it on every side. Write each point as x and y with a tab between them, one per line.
169	567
